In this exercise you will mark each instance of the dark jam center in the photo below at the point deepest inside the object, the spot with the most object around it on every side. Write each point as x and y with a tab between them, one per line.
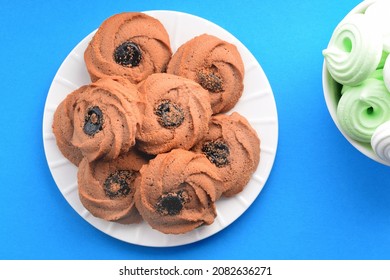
210	80
118	184
217	152
171	203
128	54
170	115
93	121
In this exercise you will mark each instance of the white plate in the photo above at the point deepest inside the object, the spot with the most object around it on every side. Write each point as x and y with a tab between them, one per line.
257	104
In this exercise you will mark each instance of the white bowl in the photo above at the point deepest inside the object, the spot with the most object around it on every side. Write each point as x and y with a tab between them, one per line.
332	94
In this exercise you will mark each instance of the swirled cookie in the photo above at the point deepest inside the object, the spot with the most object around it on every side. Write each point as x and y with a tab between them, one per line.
216	65
63	127
233	146
107	115
176	191
132	45
177	113
106	188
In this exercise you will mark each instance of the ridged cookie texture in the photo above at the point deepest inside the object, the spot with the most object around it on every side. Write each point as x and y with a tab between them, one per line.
131	44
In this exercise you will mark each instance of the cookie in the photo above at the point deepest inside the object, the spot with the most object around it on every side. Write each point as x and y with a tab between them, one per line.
176	191
106	188
132	45
176	115
107	115
216	65
63	127
233	146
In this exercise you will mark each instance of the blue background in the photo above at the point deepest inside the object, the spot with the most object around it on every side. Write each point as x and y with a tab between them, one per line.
323	199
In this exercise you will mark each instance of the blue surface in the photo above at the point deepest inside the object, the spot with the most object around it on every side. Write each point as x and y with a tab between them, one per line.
323	199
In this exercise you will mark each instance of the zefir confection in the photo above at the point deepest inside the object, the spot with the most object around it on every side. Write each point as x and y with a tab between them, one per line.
354	51
357	57
380	141
363	108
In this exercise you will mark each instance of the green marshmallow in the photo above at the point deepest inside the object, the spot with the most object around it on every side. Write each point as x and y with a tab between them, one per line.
377	74
354	51
363	108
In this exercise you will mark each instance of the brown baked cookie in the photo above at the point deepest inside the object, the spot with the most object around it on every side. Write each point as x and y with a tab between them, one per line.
177	113
216	65
107	115
106	188
63	127
176	191
233	146
132	45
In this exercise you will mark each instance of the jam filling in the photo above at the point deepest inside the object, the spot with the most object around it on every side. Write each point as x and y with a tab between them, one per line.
128	54
217	152
93	121
119	183
171	203
170	115
210	79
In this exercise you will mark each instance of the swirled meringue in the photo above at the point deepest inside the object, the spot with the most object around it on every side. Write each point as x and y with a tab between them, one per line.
380	141
354	50
378	12
386	73
363	108
377	74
